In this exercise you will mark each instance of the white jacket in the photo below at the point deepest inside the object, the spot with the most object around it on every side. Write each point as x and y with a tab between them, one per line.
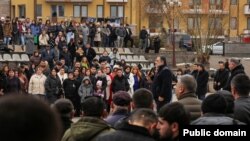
131	82
36	84
62	77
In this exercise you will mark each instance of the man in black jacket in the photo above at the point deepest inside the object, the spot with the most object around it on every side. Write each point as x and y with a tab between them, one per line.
162	84
70	87
221	76
90	53
240	87
128	36
140	127
120	82
235	68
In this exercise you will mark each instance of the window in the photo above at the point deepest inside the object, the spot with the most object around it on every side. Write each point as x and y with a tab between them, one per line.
155	21
22	11
116	11
80	11
215	4
248	23
194	4
215	23
99	11
193	23
233	23
57	10
39	10
234	2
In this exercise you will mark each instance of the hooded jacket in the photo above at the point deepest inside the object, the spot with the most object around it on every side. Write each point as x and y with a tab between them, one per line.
85	90
87	129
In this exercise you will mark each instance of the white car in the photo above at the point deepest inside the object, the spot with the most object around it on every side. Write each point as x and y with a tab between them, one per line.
216	48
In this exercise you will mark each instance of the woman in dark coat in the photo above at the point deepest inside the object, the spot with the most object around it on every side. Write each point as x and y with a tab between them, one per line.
13	83
53	87
202	82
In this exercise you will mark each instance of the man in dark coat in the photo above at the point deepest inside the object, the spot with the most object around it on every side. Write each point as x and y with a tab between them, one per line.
67	56
90	53
120	82
240	85
70	87
235	68
120	107
221	76
202	82
128	36
162	84
137	129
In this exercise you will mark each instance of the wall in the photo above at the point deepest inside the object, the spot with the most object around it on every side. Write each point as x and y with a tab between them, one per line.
4	8
237	50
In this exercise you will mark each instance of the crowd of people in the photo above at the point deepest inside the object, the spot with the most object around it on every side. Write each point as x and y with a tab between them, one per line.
113	100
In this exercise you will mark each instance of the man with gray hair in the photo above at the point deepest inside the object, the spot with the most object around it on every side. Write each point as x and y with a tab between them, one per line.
185	93
235	68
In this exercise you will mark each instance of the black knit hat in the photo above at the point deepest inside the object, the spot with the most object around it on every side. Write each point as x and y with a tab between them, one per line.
214	103
121	98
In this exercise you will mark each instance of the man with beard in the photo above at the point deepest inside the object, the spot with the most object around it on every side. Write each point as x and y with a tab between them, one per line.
171	117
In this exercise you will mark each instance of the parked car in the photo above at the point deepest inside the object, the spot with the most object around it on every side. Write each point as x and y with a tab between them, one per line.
216	48
186	42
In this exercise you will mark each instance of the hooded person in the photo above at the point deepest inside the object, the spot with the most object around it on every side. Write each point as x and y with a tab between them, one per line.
85	89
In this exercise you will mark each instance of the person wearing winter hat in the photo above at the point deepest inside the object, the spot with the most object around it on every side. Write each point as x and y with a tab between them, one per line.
120	107
214	109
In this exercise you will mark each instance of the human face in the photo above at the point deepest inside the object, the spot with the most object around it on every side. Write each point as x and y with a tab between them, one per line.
11	73
77	65
178	89
62	71
76	73
221	66
39	71
16	73
71	76
127	70
119	73
195	67
53	72
158	62
199	68
93	70
164	129
231	65
87	73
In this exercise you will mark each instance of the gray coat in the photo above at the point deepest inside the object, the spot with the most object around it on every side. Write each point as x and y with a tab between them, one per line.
216	119
121	31
192	104
30	46
85	90
242	109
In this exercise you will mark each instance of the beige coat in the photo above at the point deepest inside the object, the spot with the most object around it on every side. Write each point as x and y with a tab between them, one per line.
36	84
43	40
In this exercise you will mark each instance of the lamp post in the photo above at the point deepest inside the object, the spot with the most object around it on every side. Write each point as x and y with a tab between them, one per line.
171	4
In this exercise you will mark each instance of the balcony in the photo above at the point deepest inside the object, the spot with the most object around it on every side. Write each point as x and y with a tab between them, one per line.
247	9
69	0
193	11
116	0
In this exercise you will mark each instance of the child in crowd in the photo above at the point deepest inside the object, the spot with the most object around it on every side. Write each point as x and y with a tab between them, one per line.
86	89
98	89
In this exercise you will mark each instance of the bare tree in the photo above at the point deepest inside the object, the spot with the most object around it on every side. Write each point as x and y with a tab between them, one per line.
204	21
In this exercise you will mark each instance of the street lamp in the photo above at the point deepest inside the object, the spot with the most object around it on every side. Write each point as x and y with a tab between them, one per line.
172	4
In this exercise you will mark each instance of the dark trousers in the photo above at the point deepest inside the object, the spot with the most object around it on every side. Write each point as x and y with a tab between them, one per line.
126	39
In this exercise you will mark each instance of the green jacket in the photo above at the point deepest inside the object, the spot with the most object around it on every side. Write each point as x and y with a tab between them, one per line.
86	129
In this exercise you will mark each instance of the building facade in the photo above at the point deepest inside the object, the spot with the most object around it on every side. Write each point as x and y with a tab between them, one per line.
232	16
4	8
